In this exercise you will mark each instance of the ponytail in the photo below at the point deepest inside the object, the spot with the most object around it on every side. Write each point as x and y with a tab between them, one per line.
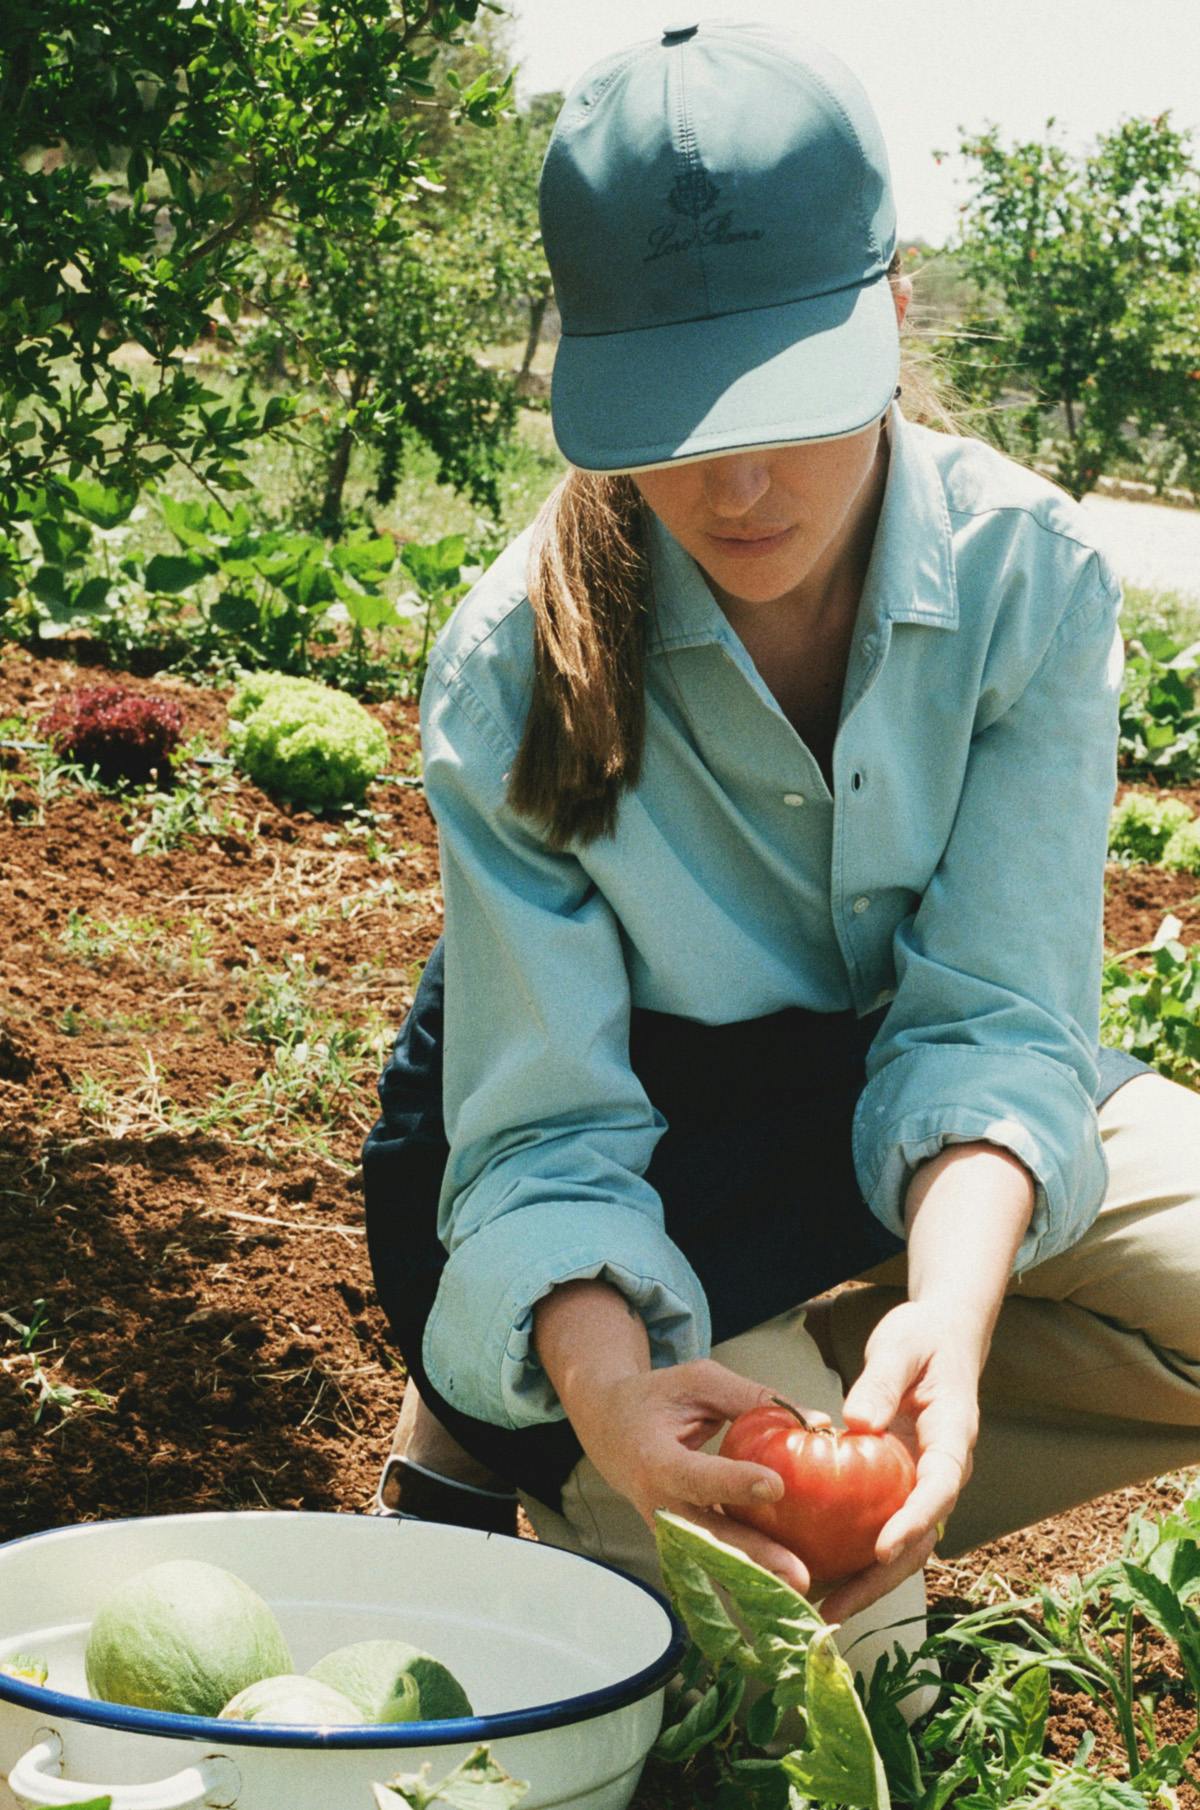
588	585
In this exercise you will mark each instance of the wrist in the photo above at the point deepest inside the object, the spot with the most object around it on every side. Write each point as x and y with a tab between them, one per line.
966	1211
588	1337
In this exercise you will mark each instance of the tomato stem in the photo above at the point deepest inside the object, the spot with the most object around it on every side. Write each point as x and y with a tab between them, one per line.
793	1410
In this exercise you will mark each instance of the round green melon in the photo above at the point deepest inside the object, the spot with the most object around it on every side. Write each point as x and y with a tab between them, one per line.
291	1698
182	1636
380	1675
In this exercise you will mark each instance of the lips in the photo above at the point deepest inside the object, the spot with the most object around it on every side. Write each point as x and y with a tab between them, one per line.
740	546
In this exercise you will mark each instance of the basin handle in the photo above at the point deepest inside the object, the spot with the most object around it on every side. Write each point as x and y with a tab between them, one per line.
37	1779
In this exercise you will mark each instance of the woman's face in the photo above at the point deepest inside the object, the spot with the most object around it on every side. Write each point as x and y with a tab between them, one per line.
761	523
765	523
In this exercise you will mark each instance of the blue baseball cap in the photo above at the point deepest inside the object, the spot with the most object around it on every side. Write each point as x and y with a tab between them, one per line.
717	213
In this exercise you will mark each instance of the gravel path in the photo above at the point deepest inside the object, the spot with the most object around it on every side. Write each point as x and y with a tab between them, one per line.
1150	544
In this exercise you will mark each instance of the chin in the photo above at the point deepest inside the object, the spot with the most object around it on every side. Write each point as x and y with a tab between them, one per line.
764	587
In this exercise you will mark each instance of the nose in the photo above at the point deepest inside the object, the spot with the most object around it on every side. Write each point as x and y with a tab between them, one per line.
733	485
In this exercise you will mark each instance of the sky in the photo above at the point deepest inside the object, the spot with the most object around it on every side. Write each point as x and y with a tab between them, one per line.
930	67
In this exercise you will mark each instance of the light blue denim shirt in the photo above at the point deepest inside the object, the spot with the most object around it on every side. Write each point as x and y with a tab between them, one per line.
956	870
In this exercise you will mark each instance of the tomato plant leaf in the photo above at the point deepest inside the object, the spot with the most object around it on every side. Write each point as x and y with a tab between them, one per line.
840	1763
1029	1695
705	1720
763	1719
1161	1602
896	1676
755	1784
685	1573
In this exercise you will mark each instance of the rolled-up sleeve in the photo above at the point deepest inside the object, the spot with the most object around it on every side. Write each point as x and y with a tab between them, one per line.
992	1034
550	1132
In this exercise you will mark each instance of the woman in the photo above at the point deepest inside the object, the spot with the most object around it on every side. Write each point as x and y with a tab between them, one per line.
772	774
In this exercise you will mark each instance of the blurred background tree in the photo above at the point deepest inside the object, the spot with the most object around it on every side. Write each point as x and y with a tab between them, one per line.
144	151
1086	274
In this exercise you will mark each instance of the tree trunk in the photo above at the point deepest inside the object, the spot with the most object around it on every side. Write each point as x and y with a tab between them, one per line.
537	314
339	467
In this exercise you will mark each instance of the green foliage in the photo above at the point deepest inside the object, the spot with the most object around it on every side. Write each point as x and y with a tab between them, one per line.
1154	1012
479	1783
92	1803
770	1635
1141	826
140	154
1159	729
490	201
401	312
1088	277
301	740
1182	852
981	1746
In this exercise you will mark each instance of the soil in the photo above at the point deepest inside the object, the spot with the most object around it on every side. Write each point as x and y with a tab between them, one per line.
187	1317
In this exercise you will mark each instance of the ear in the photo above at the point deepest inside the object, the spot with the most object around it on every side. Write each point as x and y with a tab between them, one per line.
902	293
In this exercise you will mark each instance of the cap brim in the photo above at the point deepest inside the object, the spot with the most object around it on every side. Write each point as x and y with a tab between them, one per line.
817	369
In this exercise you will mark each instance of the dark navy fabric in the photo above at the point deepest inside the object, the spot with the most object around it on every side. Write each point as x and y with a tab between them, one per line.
758	1114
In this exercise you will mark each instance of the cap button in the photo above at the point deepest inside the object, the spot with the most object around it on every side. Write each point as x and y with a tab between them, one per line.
678	34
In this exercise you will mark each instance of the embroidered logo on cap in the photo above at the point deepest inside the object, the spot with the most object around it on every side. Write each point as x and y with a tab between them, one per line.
694	194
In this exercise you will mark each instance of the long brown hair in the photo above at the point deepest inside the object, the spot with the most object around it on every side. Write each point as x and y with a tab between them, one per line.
589	585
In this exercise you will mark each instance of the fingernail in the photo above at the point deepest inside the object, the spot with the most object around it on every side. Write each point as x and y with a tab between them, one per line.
762	1491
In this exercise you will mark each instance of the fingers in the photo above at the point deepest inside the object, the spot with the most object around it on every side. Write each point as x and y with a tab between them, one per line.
940	1477
756	1545
705	1481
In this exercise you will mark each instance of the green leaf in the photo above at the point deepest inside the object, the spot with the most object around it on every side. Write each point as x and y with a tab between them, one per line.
698	1603
91	599
436	564
234	613
92	1803
99	504
762	1720
171	573
367	609
780	1623
1029	1695
278	409
754	1784
478	1784
839	1763
188	522
48	584
704	1721
366	558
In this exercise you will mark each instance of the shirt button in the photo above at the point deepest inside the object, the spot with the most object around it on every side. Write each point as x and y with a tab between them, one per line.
860	905
793	798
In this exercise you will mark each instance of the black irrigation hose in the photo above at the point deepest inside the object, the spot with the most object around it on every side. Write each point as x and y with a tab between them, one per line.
223	760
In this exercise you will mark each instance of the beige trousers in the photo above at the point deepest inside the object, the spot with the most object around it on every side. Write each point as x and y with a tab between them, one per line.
1092	1383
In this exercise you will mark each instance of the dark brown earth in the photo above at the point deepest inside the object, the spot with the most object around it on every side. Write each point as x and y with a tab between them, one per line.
187	1318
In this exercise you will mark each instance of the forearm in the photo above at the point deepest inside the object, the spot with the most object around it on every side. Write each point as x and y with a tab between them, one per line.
966	1211
587	1334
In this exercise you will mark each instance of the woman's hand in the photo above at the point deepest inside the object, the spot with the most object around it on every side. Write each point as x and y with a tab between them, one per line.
643	1428
920	1381
966	1210
643	1433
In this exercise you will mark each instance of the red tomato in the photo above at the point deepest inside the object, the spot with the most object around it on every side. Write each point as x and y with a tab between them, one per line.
839	1487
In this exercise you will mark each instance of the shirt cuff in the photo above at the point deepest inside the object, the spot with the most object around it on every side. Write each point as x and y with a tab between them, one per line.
490	1283
1024	1102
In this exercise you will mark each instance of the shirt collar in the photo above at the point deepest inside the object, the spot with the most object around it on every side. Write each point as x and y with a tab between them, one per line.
910	577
